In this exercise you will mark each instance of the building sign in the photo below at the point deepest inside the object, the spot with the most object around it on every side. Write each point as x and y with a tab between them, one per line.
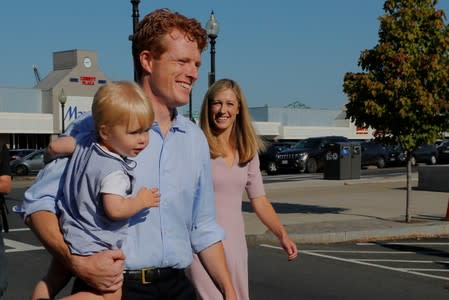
75	107
361	130
87	80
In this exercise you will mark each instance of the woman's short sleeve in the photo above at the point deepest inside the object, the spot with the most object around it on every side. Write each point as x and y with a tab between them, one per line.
254	185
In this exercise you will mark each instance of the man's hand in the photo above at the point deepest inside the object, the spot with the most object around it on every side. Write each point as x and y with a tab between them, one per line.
102	271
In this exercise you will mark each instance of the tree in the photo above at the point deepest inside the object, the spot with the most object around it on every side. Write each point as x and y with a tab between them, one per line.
297	104
403	90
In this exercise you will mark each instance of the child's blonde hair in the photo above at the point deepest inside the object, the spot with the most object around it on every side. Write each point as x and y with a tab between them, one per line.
117	102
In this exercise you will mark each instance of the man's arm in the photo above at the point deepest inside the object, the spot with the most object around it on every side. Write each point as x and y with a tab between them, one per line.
213	259
102	271
207	234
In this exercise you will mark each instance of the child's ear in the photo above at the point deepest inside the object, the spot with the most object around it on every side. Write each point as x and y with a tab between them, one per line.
103	133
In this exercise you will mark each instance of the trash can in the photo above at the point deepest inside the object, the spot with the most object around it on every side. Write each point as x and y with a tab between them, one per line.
342	161
356	160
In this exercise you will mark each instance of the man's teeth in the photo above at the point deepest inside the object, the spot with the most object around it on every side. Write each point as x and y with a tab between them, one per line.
184	85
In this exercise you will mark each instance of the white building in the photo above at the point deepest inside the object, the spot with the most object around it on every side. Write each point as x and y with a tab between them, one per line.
301	123
30	117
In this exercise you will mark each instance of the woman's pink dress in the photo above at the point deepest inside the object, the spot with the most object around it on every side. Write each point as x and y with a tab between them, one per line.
229	184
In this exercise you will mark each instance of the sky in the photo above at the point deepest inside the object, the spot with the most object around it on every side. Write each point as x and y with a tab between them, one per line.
279	52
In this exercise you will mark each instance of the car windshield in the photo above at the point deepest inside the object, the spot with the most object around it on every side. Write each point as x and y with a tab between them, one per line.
308	144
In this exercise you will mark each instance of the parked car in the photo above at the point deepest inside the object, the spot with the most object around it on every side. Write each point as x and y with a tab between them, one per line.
19	153
396	155
443	152
374	154
30	164
268	157
426	153
307	155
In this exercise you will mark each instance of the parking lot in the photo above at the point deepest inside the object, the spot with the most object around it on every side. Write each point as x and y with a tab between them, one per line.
422	258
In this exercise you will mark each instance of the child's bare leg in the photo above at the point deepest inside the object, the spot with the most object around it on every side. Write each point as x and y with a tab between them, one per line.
56	279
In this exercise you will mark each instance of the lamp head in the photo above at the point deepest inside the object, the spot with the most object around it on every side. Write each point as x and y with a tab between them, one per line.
62	97
212	27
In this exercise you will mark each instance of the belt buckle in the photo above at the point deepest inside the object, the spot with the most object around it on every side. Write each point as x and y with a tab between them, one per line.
143	272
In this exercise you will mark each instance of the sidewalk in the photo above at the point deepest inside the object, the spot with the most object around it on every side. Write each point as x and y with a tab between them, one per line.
329	211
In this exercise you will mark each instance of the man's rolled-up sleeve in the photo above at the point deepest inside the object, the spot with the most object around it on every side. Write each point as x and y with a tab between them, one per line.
44	192
205	230
47	188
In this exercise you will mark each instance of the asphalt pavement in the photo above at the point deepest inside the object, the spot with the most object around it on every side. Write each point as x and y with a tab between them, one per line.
329	211
365	209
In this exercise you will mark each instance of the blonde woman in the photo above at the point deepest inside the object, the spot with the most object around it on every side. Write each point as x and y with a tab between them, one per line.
234	147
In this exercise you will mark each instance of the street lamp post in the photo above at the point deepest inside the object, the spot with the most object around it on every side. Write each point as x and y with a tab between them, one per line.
135	17
190	106
62	99
212	29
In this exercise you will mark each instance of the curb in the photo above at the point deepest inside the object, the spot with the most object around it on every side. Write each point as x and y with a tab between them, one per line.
332	183
422	231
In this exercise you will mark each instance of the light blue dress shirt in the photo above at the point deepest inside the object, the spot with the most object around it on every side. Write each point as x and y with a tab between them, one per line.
179	165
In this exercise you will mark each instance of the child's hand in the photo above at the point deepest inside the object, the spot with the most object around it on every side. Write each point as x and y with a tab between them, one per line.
150	197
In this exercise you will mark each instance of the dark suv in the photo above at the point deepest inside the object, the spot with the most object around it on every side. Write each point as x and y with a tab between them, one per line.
443	152
374	154
426	153
268	157
307	155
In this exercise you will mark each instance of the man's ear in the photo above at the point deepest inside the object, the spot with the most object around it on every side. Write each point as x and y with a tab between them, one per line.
103	133
146	61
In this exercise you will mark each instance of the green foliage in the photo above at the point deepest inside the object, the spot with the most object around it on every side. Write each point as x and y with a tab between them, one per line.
297	104
403	91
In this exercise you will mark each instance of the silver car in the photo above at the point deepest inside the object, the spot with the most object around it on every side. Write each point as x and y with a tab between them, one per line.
29	164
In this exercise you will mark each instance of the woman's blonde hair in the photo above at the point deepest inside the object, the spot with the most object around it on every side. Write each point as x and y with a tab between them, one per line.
243	135
118	102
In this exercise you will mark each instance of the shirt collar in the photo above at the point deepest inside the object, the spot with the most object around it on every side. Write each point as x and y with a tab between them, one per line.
179	123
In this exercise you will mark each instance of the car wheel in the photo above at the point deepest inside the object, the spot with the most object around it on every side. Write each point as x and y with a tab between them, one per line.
271	168
433	160
21	170
311	165
380	162
413	161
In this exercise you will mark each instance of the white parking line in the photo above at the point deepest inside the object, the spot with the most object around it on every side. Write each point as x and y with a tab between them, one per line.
404	243
359	262
20	247
363	252
406	261
427	270
19	229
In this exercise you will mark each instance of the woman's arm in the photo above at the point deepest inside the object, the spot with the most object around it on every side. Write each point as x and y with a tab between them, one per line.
266	213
